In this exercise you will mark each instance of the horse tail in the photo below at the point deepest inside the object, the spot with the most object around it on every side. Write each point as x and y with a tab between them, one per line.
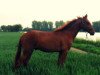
18	52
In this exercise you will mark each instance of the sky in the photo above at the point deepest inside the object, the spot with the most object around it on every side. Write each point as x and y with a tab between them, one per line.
25	11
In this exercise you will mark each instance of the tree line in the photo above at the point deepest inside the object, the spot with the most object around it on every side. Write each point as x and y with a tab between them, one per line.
36	25
45	25
48	26
11	28
41	25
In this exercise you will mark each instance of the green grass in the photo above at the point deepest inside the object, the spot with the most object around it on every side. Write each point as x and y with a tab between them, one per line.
88	46
42	63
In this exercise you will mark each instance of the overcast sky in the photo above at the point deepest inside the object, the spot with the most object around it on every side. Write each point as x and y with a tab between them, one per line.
25	11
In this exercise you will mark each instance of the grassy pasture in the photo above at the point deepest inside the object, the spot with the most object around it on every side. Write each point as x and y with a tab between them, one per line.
42	63
88	46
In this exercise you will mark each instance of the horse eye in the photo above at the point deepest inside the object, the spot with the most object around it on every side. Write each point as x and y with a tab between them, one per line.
84	22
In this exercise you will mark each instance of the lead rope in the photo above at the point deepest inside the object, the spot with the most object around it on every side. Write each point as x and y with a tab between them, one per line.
87	38
86	35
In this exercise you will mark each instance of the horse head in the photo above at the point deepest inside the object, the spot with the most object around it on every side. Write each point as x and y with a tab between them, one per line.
86	25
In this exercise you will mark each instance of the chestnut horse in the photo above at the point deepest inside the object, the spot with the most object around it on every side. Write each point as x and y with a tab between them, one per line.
59	40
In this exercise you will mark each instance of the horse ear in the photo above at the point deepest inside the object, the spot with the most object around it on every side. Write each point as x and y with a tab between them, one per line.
85	17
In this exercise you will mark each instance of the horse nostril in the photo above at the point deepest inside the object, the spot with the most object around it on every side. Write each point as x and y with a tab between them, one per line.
92	32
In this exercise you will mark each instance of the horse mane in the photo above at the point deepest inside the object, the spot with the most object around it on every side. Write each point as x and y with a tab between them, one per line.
67	25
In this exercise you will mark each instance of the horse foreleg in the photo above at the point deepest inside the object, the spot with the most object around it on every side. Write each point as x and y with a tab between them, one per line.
62	57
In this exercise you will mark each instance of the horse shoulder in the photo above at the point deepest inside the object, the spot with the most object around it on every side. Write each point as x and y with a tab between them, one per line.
66	43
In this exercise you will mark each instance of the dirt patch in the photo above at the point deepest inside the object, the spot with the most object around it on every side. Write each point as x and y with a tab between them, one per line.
77	50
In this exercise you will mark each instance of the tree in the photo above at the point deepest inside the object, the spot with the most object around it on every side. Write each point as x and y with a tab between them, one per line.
3	28
45	25
96	26
42	25
10	28
34	25
50	24
17	27
59	23
39	24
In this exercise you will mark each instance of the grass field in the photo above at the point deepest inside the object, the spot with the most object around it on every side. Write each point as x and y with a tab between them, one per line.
88	46
42	63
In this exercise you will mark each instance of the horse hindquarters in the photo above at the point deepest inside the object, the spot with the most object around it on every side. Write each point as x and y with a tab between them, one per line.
22	57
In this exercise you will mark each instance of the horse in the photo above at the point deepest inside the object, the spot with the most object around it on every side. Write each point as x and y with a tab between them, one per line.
60	40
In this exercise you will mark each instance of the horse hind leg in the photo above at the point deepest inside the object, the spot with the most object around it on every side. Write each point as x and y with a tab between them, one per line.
25	56
28	56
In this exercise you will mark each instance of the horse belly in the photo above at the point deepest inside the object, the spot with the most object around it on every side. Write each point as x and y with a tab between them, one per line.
49	46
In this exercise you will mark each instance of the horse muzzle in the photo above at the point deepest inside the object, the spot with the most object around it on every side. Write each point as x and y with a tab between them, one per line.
92	32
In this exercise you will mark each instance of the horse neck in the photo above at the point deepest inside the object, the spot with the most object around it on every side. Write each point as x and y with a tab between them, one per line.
73	31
